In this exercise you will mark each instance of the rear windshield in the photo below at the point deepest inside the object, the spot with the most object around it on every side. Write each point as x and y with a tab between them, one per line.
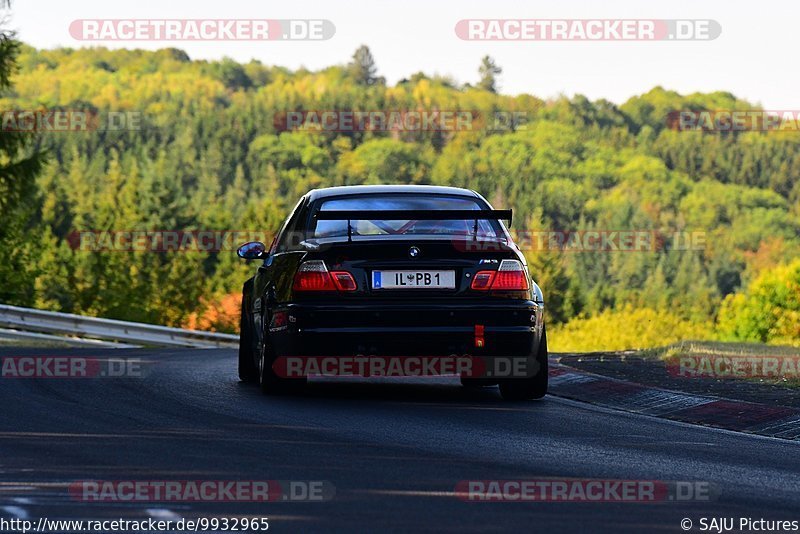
381	227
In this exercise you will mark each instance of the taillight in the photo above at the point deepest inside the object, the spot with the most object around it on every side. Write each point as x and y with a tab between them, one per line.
483	280
344	281
314	276
510	276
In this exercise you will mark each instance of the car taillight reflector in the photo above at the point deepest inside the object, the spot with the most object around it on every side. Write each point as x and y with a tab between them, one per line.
343	280
483	280
479	342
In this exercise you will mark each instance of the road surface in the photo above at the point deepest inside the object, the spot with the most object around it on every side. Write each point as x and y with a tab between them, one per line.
394	450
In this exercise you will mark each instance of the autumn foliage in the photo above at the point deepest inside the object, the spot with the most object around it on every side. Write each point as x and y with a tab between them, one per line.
216	314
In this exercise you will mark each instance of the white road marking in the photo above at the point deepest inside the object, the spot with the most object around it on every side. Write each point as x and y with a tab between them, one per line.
162	513
408	493
16	511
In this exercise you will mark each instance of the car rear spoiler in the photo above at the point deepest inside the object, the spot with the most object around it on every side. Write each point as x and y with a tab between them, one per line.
412	215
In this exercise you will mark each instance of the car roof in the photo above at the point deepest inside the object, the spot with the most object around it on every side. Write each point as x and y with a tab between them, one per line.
316	194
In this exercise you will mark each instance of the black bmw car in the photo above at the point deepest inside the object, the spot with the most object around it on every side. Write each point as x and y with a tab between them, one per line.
394	272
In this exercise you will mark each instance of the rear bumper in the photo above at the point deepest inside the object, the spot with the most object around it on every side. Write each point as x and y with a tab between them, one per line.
509	328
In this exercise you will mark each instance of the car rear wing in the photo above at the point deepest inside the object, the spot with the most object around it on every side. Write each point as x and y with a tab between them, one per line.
412	215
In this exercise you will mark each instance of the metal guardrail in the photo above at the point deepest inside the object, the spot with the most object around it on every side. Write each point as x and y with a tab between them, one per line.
15	336
31	320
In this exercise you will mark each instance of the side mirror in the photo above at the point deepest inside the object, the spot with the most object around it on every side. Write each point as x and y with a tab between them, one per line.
252	250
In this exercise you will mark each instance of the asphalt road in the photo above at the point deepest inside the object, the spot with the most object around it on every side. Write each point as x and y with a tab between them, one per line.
394	451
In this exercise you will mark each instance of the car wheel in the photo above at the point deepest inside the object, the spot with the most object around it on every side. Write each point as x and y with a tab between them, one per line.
535	387
247	365
272	384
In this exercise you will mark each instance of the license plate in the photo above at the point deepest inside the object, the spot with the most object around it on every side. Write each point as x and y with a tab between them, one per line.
413	279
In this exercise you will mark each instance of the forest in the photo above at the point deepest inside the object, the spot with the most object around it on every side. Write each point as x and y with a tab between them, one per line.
210	150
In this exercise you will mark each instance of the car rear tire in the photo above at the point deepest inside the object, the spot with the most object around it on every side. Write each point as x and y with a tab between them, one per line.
535	387
247	366
272	384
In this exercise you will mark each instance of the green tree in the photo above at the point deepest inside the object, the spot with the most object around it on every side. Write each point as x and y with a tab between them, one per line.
19	165
488	72
363	68
768	311
384	161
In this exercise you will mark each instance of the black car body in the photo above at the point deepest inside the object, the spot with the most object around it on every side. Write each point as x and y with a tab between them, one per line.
394	271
